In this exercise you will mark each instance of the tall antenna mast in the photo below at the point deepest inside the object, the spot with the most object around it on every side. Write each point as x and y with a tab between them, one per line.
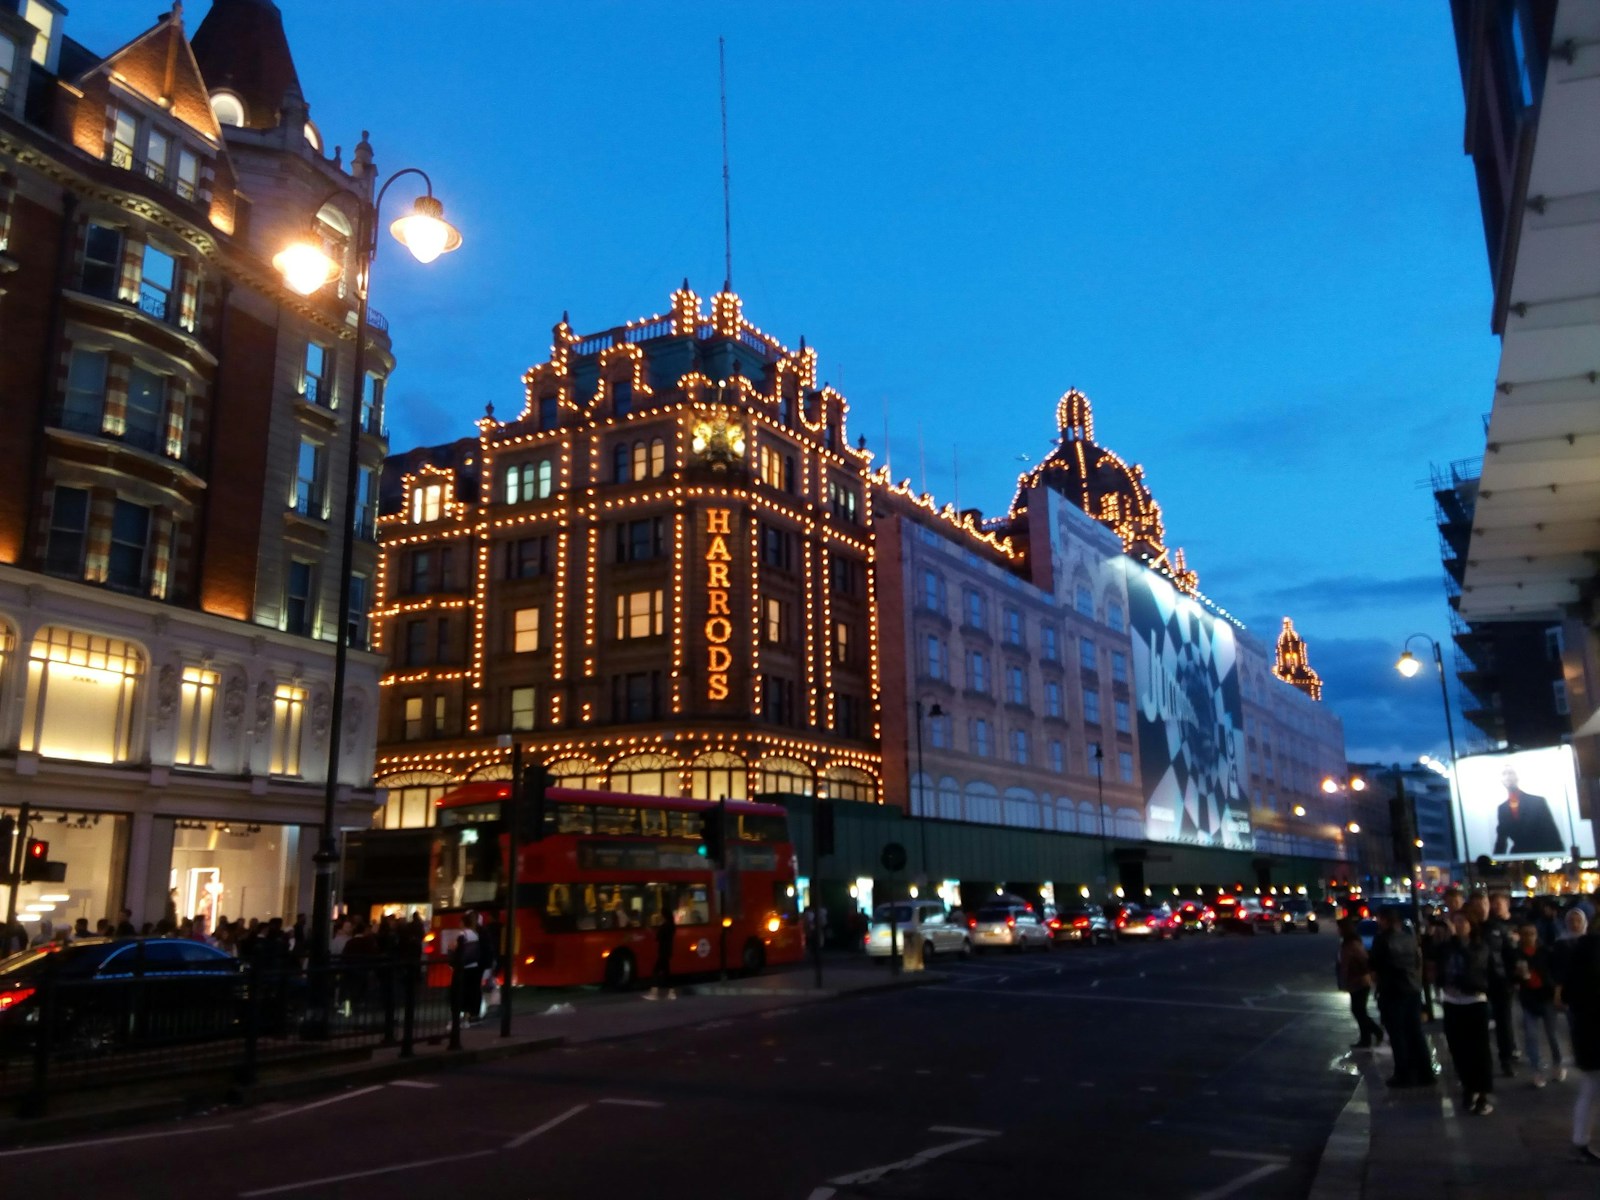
727	211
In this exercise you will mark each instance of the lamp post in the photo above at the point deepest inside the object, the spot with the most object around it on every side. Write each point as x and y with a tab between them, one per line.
305	267
1100	807
933	711
1408	665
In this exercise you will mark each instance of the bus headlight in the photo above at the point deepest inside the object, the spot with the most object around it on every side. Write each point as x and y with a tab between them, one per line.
774	924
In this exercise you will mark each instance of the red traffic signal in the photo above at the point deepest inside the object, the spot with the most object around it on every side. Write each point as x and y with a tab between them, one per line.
37	850
37	867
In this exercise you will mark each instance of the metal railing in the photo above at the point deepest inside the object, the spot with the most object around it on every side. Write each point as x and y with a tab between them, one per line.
223	1019
151	440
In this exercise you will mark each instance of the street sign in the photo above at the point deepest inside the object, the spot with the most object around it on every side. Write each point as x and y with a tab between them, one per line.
893	857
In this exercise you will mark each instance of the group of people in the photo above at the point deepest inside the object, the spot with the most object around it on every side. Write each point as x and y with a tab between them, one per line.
1489	970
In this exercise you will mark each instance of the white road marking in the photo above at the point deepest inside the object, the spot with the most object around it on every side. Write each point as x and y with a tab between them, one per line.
821	1194
924	1071
1110	999
412	1083
289	1112
411	1166
1251	1156
634	1103
1243	1181
112	1141
963	1131
873	1174
523	1138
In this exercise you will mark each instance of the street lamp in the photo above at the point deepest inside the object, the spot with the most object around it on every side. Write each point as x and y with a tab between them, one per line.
305	267
1100	806
1408	665
934	712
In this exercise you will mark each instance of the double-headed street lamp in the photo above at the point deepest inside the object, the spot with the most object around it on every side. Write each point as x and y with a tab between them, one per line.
933	712
1408	665
305	267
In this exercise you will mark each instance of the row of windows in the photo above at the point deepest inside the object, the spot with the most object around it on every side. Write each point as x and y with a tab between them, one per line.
149	414
975	616
982	743
936	664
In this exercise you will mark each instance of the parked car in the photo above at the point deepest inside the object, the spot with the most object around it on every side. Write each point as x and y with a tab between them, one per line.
1297	913
1132	921
109	992
1011	926
1085	924
1196	916
940	934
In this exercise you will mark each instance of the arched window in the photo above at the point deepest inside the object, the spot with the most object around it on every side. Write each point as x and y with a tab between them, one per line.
409	799
718	775
850	783
949	799
646	775
80	696
779	776
228	109
619	463
922	801
584	774
658	458
1130	823
1067	816
641	460
1088	820
983	803
514	476
1021	808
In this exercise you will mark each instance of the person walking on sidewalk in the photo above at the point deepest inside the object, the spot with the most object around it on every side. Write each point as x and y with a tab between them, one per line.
1580	993
1397	970
666	933
1493	919
1355	977
1536	996
1463	974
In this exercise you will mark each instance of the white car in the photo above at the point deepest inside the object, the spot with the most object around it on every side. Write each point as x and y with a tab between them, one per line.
940	934
1009	926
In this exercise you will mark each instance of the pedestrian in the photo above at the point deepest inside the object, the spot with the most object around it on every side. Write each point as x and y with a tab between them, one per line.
466	976
1536	993
1579	991
1462	969
1397	971
125	926
1355	977
666	935
1492	915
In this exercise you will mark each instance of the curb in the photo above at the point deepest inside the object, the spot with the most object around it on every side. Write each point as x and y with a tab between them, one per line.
1342	1169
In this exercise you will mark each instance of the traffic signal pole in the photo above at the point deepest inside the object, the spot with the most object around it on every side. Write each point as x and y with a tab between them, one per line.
14	853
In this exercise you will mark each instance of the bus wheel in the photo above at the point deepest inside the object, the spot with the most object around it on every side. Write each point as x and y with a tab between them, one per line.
754	958
621	971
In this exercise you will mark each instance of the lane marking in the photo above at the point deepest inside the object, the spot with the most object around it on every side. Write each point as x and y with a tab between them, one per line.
964	1131
1252	1156
1110	999
873	1174
1243	1181
523	1138
412	1083
289	1112
634	1103
821	1194
410	1166
111	1141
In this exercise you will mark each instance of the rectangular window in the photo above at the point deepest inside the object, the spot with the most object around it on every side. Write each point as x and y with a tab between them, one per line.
308	480
157	150
1052	699
197	700
356	620
8	64
416	643
102	261
522	708
774	620
980	738
438	715
1013	627
157	280
637	696
777	700
366	515
441	644
1058	757
1119	667
932	592
549	412
641	614
124	139
1559	690
1019	747
529	557
299	601
847	716
525	634
1083	600
427	503
288	719
640	541
1122	717
372	404
1125	766
83	410
69	528
975	614
939	732
1047	643
187	183
841	642
841	502
145	416
1088	658
1114	617
317	388
775	548
842	575
413	729
936	658
1091	706
977	671
419	580
130	544
1016	685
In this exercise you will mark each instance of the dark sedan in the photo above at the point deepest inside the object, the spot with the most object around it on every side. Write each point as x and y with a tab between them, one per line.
1196	916
1082	923
104	992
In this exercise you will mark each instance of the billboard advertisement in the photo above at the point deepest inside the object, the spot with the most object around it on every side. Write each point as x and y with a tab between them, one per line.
1190	717
1522	805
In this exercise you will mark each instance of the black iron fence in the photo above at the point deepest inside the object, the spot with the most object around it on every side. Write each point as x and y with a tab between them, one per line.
230	1023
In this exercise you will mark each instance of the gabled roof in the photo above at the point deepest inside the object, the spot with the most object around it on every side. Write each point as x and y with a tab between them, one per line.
160	66
241	47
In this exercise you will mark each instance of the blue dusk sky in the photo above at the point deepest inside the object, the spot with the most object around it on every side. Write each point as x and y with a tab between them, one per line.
1246	230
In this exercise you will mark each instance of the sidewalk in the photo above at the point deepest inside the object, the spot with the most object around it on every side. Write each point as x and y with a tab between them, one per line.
579	1017
1400	1145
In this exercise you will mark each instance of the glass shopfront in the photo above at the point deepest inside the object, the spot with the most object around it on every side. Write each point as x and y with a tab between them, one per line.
94	848
233	869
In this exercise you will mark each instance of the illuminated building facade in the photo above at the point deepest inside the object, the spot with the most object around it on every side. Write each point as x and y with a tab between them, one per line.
172	471
658	576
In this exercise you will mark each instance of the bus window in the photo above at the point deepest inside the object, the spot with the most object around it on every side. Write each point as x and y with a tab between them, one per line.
760	827
469	814
574	818
691	905
653	821
610	819
683	824
467	869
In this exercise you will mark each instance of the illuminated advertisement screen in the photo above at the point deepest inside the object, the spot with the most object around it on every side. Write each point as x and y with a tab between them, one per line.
1523	805
1191	717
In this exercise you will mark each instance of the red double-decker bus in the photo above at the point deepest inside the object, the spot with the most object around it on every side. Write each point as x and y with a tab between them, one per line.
591	890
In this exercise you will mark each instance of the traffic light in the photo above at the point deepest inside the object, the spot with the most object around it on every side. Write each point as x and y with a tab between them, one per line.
37	867
535	781
822	827
713	827
8	830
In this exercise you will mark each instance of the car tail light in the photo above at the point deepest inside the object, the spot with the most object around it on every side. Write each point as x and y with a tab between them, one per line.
972	922
1055	922
1081	923
14	998
1010	922
1121	921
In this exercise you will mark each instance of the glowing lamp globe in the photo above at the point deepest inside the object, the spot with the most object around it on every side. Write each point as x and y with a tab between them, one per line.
1353	827
305	266
1408	664
425	232
1329	786
1358	785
